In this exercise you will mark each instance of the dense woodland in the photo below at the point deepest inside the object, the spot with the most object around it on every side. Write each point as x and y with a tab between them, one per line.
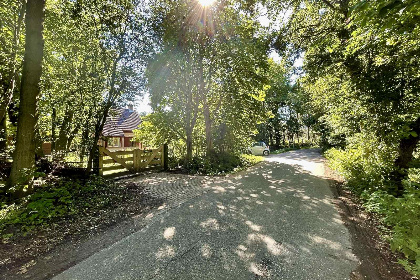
214	90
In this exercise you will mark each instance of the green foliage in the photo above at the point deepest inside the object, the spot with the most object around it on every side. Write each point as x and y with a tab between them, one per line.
361	71
208	82
363	163
52	202
250	160
366	167
219	163
402	215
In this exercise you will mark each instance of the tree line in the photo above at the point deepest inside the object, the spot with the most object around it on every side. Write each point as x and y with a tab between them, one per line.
65	64
361	74
207	71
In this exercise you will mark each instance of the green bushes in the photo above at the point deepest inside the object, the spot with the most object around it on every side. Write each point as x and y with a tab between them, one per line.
402	215
365	164
366	171
50	203
218	163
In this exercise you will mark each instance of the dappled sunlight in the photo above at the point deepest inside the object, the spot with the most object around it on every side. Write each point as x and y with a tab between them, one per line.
165	252
323	241
259	269
261	224
206	251
244	254
211	224
313	164
253	226
218	189
272	245
169	233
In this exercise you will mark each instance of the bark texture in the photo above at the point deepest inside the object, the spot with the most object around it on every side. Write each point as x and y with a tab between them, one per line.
24	155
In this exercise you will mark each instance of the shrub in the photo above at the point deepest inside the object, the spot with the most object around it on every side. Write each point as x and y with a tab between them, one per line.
218	163
51	202
402	215
366	167
250	160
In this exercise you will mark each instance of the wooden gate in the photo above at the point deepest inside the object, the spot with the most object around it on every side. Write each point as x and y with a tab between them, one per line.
134	161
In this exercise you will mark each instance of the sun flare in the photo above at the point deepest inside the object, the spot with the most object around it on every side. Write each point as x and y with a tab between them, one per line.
206	3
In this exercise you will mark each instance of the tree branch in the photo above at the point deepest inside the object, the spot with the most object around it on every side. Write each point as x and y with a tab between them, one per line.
329	4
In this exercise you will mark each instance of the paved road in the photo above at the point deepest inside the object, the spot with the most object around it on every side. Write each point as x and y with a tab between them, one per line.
273	221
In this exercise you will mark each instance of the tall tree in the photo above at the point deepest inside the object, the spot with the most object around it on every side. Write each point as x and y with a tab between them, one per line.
24	155
12	14
225	82
361	56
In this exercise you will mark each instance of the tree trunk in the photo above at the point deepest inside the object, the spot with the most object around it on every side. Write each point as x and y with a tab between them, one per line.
113	94
188	128
61	142
39	152
3	121
308	133
406	150
85	136
73	135
208	122
94	151
3	135
53	125
190	117
189	146
270	138
24	155
206	110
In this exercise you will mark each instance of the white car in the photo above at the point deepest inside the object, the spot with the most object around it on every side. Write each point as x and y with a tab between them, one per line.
260	148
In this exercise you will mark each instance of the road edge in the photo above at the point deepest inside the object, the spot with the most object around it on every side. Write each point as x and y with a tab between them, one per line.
376	260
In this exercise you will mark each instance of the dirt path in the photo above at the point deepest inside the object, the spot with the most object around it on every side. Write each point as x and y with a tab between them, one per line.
275	221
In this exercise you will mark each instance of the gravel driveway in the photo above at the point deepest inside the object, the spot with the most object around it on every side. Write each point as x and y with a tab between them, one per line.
274	221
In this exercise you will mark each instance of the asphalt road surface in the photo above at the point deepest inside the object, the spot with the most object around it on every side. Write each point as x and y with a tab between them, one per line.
276	220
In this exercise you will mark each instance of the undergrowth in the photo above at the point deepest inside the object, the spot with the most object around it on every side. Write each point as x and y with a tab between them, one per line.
51	203
367	177
219	163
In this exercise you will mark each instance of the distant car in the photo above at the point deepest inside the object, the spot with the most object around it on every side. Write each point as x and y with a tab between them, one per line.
259	148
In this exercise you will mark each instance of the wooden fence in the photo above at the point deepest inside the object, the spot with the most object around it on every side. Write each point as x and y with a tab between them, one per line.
115	162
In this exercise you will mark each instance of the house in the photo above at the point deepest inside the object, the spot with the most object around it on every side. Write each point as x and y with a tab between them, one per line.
118	129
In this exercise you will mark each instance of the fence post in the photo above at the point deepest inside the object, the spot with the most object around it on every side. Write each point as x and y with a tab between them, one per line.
165	156
136	160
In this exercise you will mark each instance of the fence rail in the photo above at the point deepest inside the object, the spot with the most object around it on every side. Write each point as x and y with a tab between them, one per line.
134	161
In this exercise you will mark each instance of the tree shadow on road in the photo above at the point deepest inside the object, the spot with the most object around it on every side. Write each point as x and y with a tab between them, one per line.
274	221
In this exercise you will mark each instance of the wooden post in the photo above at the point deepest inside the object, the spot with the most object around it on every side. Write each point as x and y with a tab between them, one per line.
101	163
165	156
136	160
